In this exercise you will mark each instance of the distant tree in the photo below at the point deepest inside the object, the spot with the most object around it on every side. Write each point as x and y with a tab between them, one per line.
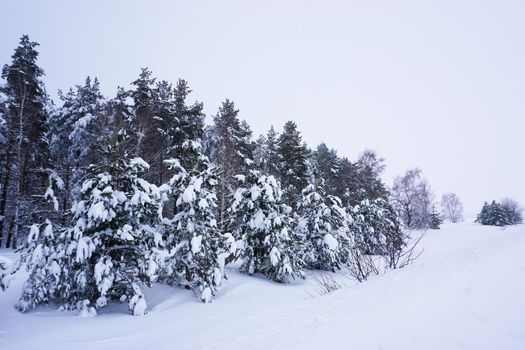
413	199
293	168
513	211
509	212
451	207
325	168
361	180
435	219
266	155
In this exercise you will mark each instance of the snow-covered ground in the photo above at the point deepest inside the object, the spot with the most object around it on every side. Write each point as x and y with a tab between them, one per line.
467	291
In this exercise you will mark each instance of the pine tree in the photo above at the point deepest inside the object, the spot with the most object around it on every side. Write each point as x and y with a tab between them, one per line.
323	223
187	131
377	227
199	248
26	151
293	168
77	130
435	219
107	252
326	166
265	154
232	152
265	226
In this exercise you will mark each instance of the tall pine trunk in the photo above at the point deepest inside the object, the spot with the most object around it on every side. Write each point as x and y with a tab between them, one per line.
5	192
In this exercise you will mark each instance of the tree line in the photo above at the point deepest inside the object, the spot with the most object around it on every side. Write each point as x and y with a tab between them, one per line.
107	195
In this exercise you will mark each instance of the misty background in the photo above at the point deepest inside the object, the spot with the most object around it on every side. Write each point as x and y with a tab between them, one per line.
437	85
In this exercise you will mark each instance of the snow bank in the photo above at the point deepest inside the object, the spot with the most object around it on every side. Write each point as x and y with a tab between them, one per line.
465	292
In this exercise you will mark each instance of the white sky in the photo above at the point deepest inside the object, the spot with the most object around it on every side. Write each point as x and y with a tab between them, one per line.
434	84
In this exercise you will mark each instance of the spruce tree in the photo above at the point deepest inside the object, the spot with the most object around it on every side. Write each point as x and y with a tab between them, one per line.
265	225
377	227
199	248
293	167
323	223
106	253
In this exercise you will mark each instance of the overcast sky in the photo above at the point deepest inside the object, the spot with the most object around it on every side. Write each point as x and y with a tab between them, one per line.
434	84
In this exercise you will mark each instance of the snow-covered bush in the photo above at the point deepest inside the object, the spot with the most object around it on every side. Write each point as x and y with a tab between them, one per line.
106	252
324	227
197	248
265	226
5	267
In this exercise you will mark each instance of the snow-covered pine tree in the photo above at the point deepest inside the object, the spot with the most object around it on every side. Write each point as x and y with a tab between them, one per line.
187	130
325	166
77	130
265	225
106	254
232	152
27	149
293	167
197	248
265	153
323	223
376	227
434	220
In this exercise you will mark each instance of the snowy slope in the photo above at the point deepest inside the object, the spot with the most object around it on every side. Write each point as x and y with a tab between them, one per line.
467	291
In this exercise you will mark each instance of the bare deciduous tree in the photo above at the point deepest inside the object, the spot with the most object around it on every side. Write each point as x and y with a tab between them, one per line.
451	207
413	199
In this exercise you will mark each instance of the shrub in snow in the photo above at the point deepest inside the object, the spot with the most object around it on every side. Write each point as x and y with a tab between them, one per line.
323	225
106	253
265	225
197	248
5	267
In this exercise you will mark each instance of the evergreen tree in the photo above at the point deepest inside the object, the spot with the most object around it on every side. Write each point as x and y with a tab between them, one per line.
199	249
293	167
435	220
500	214
323	223
267	157
232	152
77	131
347	185
326	166
187	131
377	227
265	226
26	147
107	252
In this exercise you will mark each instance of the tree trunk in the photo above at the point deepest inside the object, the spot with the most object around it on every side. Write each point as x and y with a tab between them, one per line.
3	199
